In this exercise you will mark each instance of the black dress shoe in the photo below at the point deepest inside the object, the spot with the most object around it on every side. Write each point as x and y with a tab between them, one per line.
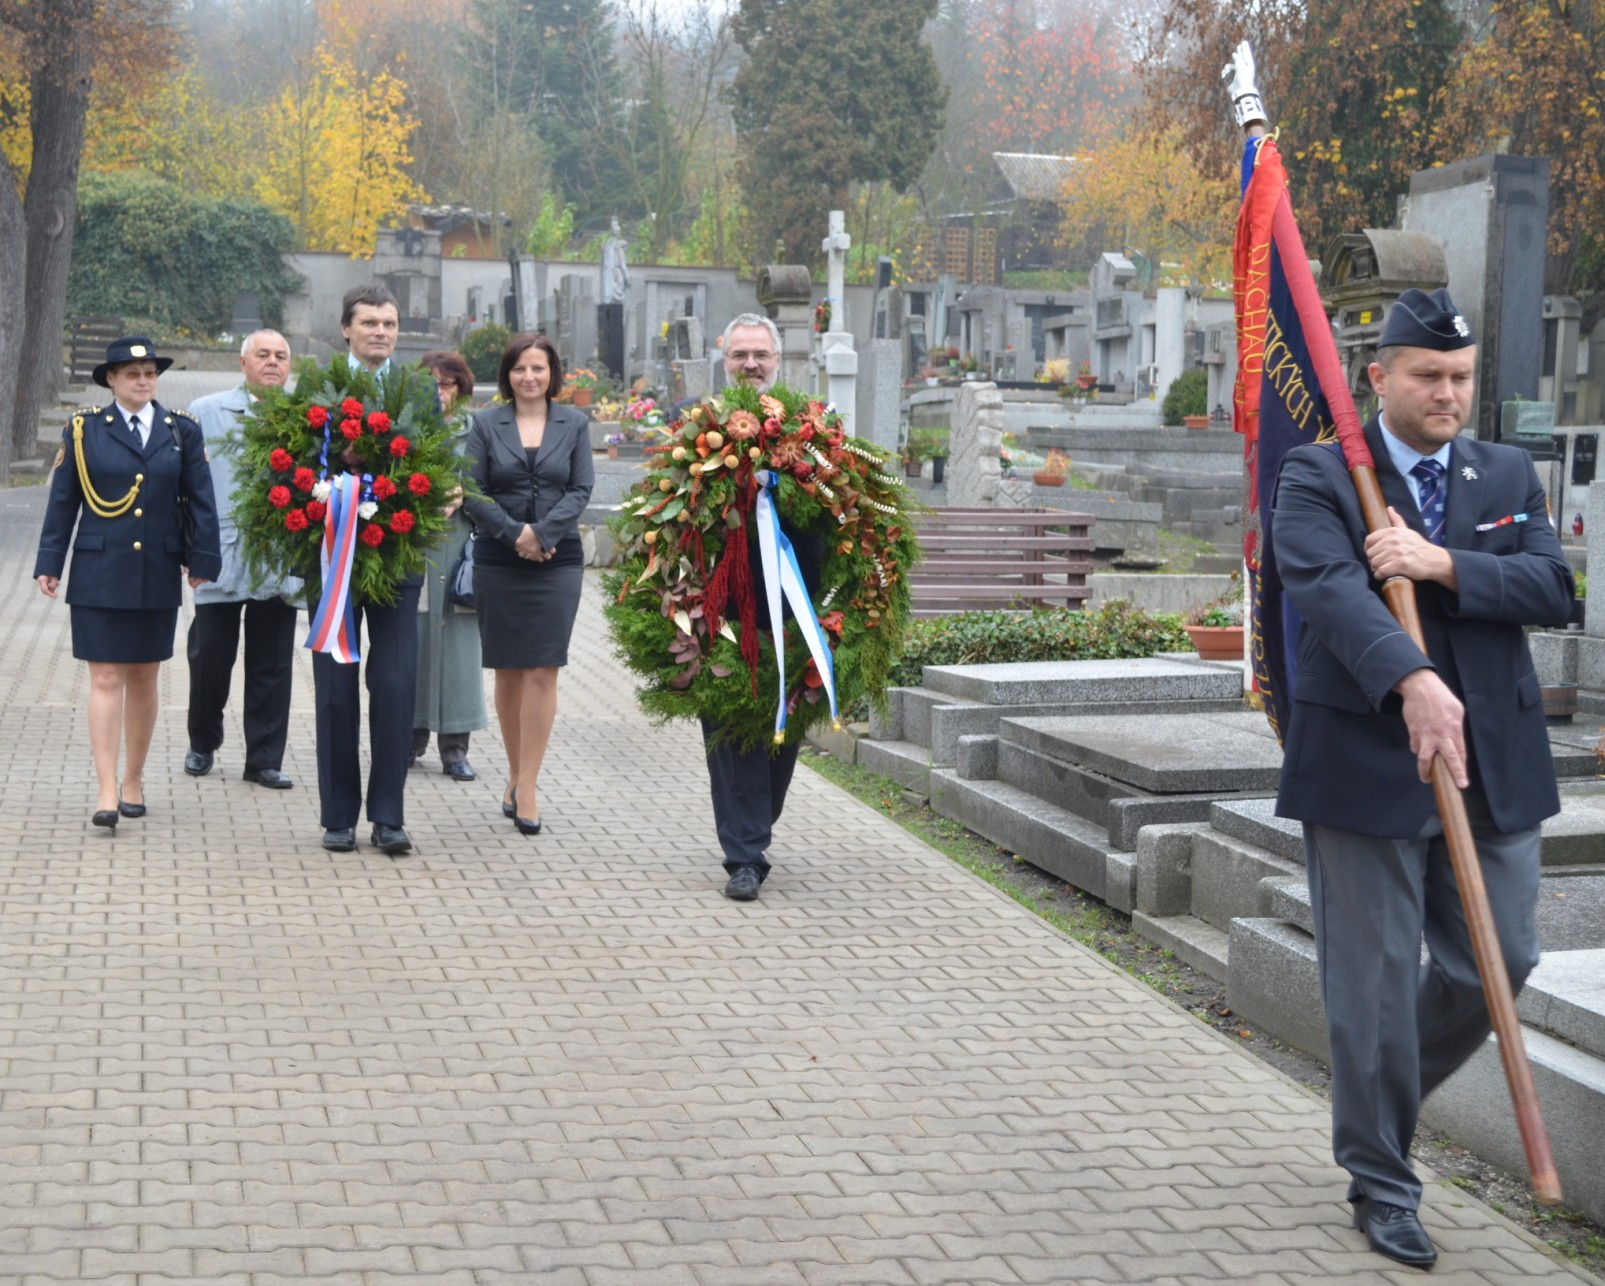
527	826
341	839
460	770
510	807
272	778
1395	1232
106	817
130	810
743	885
197	763
390	840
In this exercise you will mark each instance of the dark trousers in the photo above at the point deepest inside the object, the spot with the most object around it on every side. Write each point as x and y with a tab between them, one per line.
391	664
1397	1029
214	639
749	790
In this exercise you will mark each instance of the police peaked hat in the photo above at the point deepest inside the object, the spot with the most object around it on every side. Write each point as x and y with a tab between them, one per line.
133	348
1420	320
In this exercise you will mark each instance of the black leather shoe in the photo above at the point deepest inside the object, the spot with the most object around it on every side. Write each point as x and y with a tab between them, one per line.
106	817
197	763
527	826
272	778
1395	1232
460	770
743	885
510	807
390	840
342	839
130	810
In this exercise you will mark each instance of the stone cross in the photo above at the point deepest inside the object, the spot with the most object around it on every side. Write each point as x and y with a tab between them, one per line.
836	353
836	246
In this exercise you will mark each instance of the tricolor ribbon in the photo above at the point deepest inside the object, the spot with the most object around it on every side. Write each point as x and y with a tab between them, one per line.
334	623
782	576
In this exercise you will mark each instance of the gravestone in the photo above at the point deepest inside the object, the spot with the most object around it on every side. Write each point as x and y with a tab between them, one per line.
880	392
836	353
785	293
974	473
247	313
1490	215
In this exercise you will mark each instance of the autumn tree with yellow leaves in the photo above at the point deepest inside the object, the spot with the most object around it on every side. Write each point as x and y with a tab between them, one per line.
335	161
1147	196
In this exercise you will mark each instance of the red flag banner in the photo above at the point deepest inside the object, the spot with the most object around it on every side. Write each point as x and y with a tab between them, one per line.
1290	389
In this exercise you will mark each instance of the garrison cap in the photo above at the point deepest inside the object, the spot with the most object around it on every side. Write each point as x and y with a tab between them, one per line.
1420	320
134	348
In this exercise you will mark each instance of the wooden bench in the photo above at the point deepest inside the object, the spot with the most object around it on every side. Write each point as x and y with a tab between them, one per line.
980	559
87	341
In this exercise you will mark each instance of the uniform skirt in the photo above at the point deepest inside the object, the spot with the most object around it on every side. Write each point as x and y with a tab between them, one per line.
123	636
526	612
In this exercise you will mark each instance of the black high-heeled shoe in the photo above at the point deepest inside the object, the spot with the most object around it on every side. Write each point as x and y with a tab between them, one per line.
130	810
510	810
106	817
527	827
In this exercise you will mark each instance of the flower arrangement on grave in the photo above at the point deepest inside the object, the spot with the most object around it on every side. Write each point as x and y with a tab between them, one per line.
681	603
821	316
295	449
643	417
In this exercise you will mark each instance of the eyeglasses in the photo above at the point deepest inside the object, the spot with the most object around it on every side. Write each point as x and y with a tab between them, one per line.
742	357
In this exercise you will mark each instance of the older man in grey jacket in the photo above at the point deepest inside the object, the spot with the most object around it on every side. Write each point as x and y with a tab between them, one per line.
214	636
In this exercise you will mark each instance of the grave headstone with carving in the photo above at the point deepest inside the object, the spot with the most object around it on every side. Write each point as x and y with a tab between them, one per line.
837	356
974	471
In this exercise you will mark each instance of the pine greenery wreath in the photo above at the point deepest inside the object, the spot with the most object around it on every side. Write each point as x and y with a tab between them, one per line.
677	602
341	419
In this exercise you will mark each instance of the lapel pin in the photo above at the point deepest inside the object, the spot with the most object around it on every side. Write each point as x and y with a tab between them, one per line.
1469	474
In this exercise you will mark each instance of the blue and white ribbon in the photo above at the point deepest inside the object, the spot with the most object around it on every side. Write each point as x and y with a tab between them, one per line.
782	576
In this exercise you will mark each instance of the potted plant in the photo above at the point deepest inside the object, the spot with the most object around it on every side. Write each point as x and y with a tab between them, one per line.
1055	468
1187	400
579	386
1216	627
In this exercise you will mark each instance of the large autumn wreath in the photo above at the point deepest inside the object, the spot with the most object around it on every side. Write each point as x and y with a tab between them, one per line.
681	603
342	419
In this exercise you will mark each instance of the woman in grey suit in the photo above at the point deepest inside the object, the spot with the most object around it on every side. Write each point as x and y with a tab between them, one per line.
530	459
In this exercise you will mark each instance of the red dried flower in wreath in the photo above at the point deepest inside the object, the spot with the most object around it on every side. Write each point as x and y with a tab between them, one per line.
296	520
316	510
399	447
383	487
279	497
280	460
378	421
351	430
418	484
305	479
372	535
401	522
351	407
317	416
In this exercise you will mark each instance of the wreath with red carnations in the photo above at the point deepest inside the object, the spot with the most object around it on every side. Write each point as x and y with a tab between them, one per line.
680	603
342	419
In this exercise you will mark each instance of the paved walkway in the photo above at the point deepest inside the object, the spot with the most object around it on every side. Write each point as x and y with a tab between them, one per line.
234	1059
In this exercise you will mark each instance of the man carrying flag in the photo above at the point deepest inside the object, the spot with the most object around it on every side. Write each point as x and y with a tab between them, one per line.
1362	709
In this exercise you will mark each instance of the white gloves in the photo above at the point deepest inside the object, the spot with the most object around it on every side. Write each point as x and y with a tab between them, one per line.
1239	73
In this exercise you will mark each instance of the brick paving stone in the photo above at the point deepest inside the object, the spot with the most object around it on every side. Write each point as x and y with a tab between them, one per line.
233	1059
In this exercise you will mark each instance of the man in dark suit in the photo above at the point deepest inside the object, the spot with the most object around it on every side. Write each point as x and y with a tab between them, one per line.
214	634
1371	711
369	320
749	785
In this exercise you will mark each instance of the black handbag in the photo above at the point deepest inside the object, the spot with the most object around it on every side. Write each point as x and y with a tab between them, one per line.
460	580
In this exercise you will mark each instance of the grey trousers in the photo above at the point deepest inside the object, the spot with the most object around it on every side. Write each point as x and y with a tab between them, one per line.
1399	1028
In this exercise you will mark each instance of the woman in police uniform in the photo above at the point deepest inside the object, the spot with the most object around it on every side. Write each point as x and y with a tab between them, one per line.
132	478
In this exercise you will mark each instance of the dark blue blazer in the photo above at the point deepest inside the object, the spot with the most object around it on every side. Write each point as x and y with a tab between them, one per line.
136	560
1348	762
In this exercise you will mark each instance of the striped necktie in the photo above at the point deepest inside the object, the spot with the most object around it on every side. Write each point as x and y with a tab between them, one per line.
1430	484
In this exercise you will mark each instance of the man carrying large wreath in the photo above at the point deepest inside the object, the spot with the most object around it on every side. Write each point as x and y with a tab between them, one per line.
344	482
763	582
369	320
